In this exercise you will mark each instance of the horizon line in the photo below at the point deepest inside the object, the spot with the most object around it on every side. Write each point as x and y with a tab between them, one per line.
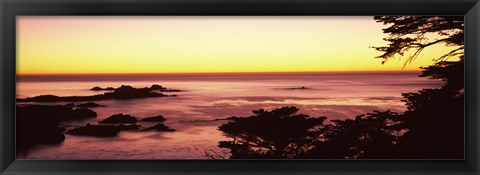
165	73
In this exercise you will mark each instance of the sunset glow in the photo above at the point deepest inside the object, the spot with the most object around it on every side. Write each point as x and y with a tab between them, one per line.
239	87
79	45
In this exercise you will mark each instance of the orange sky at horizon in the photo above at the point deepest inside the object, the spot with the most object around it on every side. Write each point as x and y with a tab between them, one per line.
200	44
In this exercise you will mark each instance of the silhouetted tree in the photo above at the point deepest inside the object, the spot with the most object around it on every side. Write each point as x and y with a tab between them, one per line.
371	135
435	117
415	33
280	133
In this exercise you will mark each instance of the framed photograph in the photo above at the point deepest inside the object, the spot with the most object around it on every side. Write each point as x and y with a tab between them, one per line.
239	87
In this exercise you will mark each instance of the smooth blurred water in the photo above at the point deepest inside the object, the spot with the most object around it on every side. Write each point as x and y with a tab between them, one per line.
206	97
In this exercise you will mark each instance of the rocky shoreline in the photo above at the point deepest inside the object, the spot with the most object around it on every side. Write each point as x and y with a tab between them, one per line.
124	92
40	124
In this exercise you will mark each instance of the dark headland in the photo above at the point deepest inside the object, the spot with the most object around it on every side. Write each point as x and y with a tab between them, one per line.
122	93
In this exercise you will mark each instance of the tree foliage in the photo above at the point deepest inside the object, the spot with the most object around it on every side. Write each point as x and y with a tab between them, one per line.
415	33
371	135
280	133
434	117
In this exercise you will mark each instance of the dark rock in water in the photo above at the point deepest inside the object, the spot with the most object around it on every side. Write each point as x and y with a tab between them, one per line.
90	105
120	118
163	89
232	118
52	114
33	135
157	87
95	130
96	88
128	92
132	127
70	105
38	124
171	90
159	127
121	93
228	118
41	98
298	88
102	130
82	113
158	118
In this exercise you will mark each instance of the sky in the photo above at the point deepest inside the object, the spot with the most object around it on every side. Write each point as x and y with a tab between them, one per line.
194	44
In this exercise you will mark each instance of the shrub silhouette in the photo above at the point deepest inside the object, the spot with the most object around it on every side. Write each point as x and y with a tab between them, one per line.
372	135
280	133
435	117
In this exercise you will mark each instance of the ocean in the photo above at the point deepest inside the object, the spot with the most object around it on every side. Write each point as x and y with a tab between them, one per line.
209	96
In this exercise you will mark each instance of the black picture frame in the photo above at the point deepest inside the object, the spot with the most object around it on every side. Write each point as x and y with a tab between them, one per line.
11	8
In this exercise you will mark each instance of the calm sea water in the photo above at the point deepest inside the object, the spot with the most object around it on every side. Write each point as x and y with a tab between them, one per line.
206	97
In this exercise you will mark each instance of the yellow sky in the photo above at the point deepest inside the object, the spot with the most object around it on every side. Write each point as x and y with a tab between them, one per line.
161	44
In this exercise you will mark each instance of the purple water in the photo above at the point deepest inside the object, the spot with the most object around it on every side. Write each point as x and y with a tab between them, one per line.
206	97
